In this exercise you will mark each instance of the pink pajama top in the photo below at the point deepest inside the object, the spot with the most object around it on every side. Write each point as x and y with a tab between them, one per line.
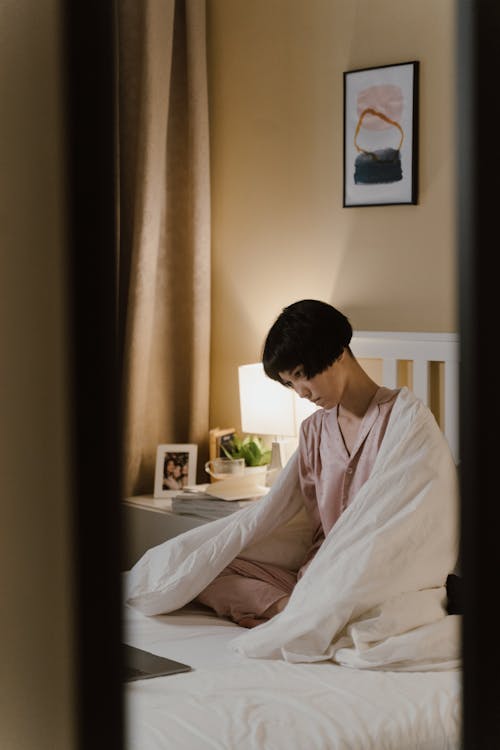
330	477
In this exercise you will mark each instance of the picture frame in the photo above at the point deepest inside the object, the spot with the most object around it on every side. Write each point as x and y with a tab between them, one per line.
175	468
217	437
381	135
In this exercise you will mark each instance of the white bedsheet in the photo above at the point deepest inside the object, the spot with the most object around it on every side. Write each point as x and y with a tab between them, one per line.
230	702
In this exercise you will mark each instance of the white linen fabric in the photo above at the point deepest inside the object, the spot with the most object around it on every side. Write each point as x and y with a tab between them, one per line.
374	595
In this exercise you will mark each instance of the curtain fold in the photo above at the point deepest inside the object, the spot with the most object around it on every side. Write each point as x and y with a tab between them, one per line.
164	223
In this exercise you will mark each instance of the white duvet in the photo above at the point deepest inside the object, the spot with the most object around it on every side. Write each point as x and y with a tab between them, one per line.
374	595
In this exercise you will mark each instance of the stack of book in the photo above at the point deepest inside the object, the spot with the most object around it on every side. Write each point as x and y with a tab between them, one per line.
206	506
216	500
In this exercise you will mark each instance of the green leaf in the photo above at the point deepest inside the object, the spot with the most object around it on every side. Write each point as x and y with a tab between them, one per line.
250	448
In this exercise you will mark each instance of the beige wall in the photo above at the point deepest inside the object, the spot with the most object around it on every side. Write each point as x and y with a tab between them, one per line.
279	230
36	685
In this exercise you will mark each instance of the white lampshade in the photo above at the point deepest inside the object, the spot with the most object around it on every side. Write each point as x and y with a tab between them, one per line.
267	407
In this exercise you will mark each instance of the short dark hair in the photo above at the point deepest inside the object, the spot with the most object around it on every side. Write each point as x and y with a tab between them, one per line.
310	333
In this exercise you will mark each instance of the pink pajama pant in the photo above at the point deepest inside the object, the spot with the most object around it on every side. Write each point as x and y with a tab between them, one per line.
246	589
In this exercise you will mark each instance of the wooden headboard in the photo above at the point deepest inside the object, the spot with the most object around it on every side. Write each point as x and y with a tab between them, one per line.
425	362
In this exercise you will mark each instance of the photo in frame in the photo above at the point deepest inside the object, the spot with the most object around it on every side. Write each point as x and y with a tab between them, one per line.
381	135
175	468
217	438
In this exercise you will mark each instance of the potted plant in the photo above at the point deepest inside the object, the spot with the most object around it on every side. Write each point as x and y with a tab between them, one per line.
249	448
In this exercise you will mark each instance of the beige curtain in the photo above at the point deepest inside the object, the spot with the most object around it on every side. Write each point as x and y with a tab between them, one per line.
164	225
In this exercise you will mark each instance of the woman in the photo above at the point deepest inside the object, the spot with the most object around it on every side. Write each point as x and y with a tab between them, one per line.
307	349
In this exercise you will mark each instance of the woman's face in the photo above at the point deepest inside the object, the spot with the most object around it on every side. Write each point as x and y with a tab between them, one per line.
325	389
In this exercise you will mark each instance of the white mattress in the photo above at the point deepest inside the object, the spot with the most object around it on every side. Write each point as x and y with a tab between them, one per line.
230	702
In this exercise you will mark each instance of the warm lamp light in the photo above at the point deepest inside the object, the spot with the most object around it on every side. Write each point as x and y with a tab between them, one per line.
268	408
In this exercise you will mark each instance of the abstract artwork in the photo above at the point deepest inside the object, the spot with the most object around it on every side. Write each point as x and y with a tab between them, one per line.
381	135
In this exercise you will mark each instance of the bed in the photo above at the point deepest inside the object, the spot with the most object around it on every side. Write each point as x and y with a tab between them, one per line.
230	701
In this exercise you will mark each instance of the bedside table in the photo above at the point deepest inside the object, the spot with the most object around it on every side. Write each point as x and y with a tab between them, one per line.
148	521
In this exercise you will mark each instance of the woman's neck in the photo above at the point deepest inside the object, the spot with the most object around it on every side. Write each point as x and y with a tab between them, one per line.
359	393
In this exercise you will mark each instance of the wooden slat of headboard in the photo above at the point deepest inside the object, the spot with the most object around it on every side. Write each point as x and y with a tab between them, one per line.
389	372
451	422
421	379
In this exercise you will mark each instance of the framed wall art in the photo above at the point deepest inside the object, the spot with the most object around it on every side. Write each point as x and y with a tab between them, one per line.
175	467
381	135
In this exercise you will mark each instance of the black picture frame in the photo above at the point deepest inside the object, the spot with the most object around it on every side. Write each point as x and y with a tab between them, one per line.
381	135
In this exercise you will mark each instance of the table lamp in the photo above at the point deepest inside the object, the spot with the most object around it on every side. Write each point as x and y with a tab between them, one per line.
268	408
